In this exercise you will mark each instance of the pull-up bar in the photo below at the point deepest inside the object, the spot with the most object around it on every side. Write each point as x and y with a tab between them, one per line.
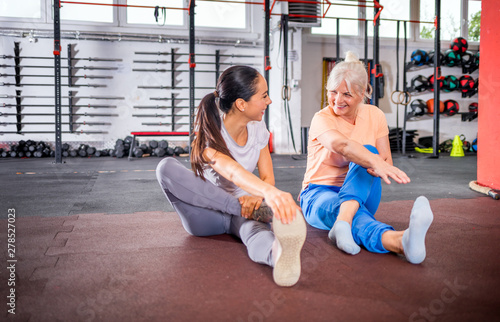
355	19
120	5
323	2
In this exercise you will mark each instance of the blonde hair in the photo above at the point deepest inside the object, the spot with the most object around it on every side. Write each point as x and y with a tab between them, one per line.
353	71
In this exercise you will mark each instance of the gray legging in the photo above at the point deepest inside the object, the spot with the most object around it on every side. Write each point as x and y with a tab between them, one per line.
207	210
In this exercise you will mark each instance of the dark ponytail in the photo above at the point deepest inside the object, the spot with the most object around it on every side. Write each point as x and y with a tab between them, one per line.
235	82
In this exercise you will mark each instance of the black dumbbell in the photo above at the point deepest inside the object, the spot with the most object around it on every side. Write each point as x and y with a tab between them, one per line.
178	150
138	152
146	149
91	150
160	152
119	153
163	144
82	153
128	140
101	153
153	144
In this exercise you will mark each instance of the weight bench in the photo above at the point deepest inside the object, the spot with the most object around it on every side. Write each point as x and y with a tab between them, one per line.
134	134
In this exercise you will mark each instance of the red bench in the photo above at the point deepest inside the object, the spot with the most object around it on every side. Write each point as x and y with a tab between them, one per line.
152	134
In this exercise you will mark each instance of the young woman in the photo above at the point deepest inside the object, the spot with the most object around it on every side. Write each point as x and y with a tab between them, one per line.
348	155
222	195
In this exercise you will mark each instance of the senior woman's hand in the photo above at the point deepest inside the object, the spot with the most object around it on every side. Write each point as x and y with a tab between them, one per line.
385	171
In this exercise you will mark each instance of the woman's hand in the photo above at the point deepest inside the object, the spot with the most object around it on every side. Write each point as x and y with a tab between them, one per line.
249	204
385	171
282	204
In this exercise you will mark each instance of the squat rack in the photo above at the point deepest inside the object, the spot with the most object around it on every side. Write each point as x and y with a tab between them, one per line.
376	50
267	66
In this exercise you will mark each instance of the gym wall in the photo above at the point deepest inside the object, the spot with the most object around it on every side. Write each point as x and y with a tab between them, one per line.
488	173
123	82
316	47
127	112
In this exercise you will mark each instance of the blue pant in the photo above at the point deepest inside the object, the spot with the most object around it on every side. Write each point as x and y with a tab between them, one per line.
320	205
207	210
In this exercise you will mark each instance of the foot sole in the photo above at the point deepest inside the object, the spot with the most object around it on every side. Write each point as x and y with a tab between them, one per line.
291	237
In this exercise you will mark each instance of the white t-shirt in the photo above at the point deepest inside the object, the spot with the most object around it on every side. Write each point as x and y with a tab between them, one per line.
247	155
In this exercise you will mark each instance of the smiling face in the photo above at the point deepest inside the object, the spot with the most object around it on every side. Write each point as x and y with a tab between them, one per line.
255	107
344	103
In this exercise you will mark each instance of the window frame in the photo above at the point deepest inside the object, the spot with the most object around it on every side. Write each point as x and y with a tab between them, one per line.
414	28
24	20
120	24
464	23
114	23
361	15
247	22
122	17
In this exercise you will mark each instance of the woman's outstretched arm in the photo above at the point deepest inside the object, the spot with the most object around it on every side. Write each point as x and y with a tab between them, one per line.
281	203
352	151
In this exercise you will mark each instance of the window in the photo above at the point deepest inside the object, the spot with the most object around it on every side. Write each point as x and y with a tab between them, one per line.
474	20
146	15
21	9
93	13
450	19
220	15
347	27
393	9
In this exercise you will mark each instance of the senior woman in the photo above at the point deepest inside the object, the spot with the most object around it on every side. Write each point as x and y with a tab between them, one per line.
348	156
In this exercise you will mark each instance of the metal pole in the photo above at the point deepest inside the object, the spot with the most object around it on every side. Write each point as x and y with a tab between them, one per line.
398	141
437	75
192	65
57	74
405	88
337	42
70	110
173	110
18	111
217	66
366	46
375	57
267	60
70	66
172	67
17	62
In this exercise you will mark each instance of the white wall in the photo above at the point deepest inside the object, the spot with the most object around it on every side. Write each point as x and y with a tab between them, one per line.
124	83
278	115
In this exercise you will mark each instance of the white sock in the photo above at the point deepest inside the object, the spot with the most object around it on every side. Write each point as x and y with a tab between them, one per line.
414	237
342	235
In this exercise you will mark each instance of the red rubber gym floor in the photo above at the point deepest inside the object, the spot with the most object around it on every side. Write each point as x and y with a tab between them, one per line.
143	266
